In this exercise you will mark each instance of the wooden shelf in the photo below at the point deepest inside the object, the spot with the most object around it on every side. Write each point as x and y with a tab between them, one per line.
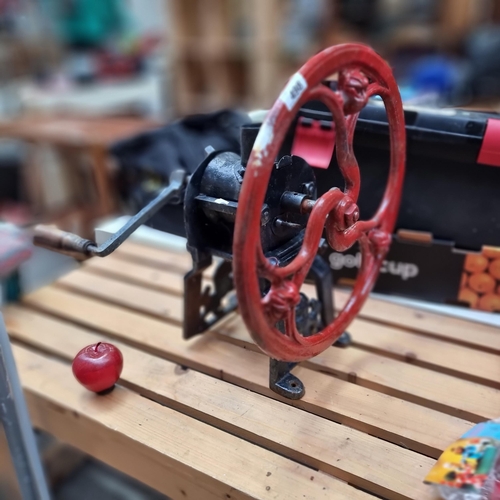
227	50
196	420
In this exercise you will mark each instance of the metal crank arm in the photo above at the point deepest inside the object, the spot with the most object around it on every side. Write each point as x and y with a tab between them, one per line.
71	244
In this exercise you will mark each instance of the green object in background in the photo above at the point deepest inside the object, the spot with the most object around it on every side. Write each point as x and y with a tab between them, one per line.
87	23
12	288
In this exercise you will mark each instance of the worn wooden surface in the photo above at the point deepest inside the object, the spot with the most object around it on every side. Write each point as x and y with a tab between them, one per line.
99	132
196	419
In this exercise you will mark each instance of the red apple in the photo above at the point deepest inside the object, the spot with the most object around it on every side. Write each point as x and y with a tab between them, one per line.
98	366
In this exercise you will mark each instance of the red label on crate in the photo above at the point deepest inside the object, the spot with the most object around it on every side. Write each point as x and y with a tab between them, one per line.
489	154
314	142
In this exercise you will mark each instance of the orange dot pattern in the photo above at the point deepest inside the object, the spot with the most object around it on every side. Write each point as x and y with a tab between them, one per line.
480	282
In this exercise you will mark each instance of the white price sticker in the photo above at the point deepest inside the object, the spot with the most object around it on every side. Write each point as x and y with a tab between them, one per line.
293	90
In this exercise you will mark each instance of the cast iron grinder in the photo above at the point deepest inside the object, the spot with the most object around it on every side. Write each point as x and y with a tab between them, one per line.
259	215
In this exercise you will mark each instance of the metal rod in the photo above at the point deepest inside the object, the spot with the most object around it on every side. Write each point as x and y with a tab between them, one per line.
176	183
72	244
16	421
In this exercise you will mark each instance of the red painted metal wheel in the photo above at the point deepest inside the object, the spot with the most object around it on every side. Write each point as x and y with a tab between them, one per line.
361	74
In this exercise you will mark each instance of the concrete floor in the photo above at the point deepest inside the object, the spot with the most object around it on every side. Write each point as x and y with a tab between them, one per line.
95	480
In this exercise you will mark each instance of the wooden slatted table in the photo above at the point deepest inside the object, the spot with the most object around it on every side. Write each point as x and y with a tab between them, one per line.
196	419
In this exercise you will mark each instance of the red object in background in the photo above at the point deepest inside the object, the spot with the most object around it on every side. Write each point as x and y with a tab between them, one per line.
314	142
489	154
16	213
362	74
113	64
148	43
98	366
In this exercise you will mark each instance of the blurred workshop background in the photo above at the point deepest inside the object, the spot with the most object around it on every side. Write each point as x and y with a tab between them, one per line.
78	76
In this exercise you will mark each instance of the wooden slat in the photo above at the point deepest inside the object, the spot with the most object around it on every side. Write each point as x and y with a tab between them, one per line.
455	330
165	280
481	367
422	386
459	361
175	454
154	257
387	417
317	442
157	279
159	304
472	365
460	331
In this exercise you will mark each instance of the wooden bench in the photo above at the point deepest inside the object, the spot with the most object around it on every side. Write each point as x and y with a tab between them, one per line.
196	419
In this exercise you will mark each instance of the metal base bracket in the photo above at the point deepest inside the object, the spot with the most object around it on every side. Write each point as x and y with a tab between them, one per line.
345	340
282	382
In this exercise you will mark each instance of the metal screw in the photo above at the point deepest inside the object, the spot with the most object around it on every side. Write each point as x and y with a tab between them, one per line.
241	173
308	188
273	261
264	216
351	214
209	150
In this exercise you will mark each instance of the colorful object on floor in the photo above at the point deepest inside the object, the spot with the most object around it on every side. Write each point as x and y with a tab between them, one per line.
98	366
469	469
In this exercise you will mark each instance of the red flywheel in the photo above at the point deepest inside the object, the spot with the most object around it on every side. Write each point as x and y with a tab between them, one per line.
361	74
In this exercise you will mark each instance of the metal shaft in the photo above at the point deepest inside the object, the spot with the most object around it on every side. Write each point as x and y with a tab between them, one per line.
72	244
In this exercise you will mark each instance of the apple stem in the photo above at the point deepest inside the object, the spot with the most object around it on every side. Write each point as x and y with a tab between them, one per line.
97	346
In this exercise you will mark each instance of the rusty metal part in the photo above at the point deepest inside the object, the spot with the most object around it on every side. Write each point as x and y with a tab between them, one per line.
362	74
307	206
295	202
52	238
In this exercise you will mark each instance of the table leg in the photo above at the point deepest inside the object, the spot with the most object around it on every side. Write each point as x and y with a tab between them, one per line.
16	421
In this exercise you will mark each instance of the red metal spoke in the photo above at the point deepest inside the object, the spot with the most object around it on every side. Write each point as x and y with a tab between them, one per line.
351	127
341	241
376	89
290	328
345	127
344	130
370	265
302	262
265	268
280	301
